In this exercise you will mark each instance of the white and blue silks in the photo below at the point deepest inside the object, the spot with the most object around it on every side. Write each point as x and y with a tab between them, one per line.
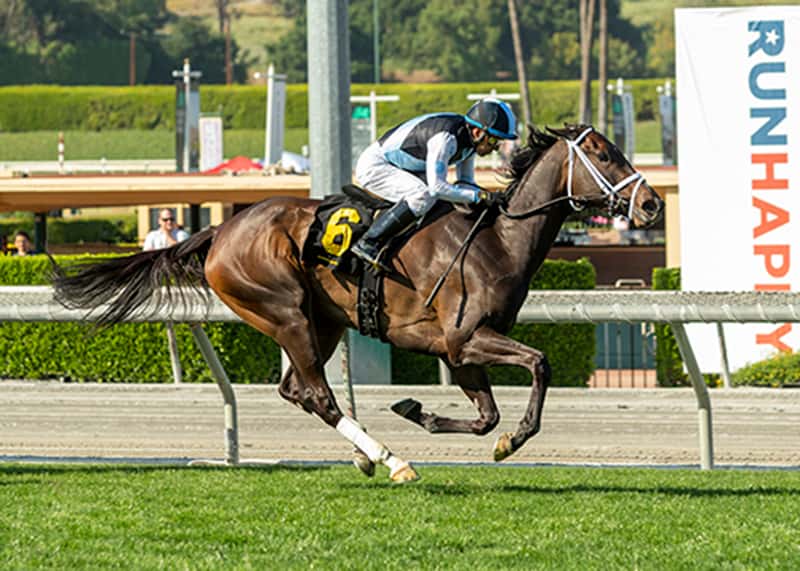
394	169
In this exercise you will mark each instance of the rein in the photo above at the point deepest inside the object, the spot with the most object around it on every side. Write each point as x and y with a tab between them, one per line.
578	203
542	207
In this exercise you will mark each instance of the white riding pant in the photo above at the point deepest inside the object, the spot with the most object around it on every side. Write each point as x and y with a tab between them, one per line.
391	183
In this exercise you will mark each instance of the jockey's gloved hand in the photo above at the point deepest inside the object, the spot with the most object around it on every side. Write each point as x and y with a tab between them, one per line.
491	198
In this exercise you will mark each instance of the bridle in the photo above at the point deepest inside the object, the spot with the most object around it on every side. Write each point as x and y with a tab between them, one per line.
608	190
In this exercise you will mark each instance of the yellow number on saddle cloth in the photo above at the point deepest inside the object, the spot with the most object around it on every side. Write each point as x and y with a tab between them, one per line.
338	233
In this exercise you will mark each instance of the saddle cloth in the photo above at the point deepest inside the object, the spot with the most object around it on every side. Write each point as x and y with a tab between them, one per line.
340	220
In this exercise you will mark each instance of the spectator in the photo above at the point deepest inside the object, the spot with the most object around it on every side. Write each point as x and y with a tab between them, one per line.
168	233
23	244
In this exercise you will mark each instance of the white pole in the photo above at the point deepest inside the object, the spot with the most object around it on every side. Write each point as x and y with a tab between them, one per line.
373	115
705	430
228	395
270	127
187	89
61	152
266	115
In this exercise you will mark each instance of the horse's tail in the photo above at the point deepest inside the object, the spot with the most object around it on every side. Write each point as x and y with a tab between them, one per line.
121	285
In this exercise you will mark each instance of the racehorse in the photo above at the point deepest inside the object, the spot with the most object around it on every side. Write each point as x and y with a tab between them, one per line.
253	262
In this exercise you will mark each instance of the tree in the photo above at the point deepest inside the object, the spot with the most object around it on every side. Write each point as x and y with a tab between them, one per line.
192	38
143	17
222	13
602	64
661	48
460	39
522	77
586	31
558	58
289	53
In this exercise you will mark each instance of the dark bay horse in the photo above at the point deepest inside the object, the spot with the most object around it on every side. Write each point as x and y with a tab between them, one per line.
253	262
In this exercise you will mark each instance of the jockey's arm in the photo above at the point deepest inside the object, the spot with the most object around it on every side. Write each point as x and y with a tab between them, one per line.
465	173
441	147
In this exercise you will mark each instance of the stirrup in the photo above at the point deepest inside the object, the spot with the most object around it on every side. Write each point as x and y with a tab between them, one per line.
374	260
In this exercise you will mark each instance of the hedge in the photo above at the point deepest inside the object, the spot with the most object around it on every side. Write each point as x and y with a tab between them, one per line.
134	352
54	108
137	352
669	364
112	230
781	370
569	347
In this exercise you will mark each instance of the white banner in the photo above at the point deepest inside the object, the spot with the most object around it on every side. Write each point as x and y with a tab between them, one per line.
210	142
738	100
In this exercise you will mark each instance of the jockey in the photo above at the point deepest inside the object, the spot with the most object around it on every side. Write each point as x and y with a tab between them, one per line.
408	166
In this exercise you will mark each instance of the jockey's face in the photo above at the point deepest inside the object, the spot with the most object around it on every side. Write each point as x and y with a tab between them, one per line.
484	142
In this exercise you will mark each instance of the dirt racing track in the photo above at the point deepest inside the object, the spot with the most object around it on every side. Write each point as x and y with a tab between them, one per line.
52	420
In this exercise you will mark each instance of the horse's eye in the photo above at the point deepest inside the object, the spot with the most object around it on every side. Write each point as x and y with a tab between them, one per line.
603	156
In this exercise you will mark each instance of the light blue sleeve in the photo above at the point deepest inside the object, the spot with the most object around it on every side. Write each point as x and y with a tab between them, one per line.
441	148
465	170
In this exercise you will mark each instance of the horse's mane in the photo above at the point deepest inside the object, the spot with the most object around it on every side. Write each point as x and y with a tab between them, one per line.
523	158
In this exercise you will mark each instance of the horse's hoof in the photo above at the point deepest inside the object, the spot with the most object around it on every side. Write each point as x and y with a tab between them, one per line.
363	463
503	447
404	473
407	408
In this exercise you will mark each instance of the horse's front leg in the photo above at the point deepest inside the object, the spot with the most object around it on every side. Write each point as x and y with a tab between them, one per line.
487	347
475	383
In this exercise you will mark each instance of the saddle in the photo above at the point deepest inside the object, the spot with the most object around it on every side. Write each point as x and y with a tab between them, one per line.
339	221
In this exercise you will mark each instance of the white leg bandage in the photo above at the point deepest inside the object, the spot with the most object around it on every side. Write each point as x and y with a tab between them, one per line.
374	450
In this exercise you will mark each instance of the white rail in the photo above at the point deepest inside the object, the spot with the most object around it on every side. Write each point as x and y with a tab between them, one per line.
675	308
36	303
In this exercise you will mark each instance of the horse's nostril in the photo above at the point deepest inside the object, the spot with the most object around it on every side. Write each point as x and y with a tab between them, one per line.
650	206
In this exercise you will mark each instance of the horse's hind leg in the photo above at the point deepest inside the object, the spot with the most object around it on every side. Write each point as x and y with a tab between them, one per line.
487	347
474	381
328	336
306	386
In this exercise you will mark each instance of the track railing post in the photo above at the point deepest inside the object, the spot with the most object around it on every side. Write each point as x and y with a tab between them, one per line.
174	357
229	397
706	432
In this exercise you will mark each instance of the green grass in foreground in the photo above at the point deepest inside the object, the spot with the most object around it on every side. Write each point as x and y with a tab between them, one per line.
138	145
75	517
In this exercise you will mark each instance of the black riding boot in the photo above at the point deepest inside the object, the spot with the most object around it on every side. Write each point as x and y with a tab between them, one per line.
391	223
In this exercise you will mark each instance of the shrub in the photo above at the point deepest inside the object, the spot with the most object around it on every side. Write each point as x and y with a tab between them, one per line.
131	352
779	370
669	364
137	352
110	230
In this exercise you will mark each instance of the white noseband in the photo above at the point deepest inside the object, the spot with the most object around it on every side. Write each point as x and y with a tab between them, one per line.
610	190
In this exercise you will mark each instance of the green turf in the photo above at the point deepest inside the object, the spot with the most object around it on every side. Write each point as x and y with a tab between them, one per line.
130	144
76	517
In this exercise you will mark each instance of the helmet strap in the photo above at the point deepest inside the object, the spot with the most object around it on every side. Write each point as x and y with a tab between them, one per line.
480	139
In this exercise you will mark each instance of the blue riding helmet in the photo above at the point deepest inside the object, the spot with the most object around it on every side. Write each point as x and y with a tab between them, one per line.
493	116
